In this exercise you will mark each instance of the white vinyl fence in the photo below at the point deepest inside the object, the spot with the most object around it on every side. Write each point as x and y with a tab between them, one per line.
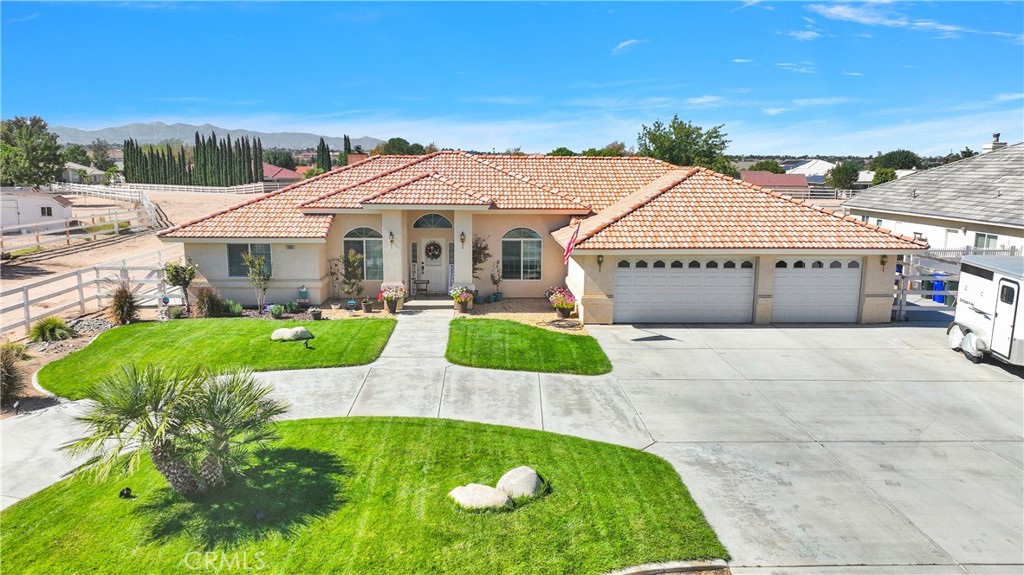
40	235
257	188
86	288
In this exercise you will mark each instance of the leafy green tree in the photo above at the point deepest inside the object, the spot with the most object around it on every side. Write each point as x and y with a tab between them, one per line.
683	144
417	149
77	154
280	158
481	253
767	166
259	276
181	275
897	160
323	156
611	150
563	151
352	281
100	151
430	148
29	153
883	175
393	146
312	172
842	176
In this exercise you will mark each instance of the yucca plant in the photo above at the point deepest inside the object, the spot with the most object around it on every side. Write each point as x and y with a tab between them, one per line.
124	309
51	328
12	378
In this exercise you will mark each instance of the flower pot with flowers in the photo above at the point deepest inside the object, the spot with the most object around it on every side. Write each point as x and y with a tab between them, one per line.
461	296
562	300
391	295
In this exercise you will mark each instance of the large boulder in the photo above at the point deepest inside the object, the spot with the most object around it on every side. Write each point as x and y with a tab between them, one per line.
476	496
521	482
291	334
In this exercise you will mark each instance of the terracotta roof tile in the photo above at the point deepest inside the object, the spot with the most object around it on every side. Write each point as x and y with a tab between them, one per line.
272	172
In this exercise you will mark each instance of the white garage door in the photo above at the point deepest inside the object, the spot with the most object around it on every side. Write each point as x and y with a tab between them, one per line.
816	290
671	290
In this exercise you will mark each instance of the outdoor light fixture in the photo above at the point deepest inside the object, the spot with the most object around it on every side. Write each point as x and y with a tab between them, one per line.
462	238
391	237
885	260
600	260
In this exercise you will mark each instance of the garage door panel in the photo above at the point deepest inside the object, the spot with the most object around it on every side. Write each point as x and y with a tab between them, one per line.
816	294
687	294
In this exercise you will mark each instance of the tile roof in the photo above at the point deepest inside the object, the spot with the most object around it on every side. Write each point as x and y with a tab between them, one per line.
769	180
987	188
697	208
428	188
272	172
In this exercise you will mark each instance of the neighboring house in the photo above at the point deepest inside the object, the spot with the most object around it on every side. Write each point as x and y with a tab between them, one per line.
976	202
657	242
864	178
72	175
272	173
301	170
794	185
813	170
21	207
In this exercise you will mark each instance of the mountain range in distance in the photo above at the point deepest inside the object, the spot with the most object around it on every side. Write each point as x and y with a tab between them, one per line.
154	132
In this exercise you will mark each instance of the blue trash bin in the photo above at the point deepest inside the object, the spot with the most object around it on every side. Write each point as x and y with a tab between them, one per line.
939	285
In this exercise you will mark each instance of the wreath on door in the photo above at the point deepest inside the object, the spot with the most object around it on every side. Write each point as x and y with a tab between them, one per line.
432	250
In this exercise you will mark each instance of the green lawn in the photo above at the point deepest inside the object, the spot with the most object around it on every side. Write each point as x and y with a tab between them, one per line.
217	344
499	344
369	496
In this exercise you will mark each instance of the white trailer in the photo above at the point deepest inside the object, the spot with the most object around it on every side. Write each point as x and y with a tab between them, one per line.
988	309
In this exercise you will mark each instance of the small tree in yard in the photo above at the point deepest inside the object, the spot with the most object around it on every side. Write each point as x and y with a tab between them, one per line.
352	281
481	253
181	275
259	275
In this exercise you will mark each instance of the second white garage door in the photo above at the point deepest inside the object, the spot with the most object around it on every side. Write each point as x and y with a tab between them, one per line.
816	290
681	290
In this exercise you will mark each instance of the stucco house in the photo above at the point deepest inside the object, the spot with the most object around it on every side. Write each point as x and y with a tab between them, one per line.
656	242
72	174
23	207
975	203
794	185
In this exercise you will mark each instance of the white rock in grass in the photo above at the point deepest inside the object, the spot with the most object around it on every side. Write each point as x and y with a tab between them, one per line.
476	496
291	334
521	482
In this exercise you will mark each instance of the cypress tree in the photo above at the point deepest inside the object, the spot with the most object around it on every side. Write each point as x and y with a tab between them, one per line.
258	161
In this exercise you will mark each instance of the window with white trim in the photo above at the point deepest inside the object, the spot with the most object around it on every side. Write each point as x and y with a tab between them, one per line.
236	264
520	255
986	241
368	243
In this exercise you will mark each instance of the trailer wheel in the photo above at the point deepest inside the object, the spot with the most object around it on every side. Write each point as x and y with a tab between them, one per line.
969	346
955	335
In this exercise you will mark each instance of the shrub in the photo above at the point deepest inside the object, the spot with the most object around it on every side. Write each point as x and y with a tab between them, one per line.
232	309
19	350
12	379
208	302
176	313
292	307
181	275
51	328
123	308
276	311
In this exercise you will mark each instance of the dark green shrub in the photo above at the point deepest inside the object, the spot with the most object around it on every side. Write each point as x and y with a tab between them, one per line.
276	311
176	313
12	378
292	307
208	303
232	309
51	328
123	308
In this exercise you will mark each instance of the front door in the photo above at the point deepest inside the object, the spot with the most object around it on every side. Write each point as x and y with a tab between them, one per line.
1005	317
432	259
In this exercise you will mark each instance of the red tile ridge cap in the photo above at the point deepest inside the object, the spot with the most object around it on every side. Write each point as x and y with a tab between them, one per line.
325	195
529	181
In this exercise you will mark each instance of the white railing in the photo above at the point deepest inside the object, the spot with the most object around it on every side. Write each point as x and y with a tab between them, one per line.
118	193
257	188
82	287
42	234
957	254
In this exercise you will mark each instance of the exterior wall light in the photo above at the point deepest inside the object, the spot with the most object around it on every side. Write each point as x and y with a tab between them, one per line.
600	260
391	237
462	238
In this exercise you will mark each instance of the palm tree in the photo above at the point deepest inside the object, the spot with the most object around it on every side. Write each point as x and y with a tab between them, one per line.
233	416
196	425
137	410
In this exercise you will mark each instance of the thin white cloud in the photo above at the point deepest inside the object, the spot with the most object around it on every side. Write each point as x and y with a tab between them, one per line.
776	111
20	19
870	15
741	61
746	4
706	100
805	35
626	45
858	74
798	68
1009	97
833	101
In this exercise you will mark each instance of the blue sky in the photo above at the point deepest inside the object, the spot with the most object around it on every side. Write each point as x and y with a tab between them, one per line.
793	77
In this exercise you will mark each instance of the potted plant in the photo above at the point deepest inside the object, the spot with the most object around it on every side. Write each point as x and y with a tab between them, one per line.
562	300
391	296
461	296
496	280
367	305
315	313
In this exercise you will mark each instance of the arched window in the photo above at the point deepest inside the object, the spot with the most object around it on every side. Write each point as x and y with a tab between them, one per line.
817	264
835	264
729	265
677	264
747	265
623	263
799	264
853	265
432	221
712	265
641	264
693	264
781	264
367	243
659	264
520	255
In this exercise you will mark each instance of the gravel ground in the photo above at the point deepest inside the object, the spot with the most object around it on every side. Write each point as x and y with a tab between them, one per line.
531	311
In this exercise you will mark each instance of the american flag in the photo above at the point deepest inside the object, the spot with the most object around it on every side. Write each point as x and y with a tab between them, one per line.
571	245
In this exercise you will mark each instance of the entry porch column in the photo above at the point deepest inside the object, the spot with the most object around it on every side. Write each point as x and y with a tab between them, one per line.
464	249
395	247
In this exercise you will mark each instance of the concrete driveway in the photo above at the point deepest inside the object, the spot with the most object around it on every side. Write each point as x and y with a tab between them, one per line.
819	450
